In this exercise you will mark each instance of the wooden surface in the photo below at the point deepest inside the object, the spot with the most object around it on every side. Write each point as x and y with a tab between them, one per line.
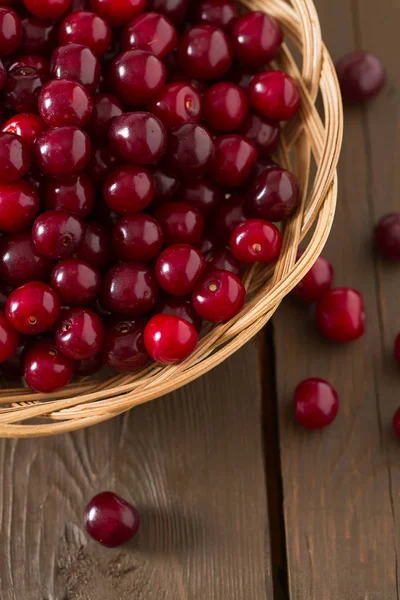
237	502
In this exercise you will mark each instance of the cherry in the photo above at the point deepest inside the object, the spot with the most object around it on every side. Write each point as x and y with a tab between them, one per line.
102	162
57	234
179	307
23	88
26	125
190	149
14	366
123	348
176	104
3	75
4	292
205	52
15	157
218	296
136	76
222	259
88	366
110	520
76	62
175	10
228	216
221	13
387	236
318	280
138	137
274	195
233	161
19	206
33	308
95	248
105	108
64	102
80	5
361	76
181	223
9	338
87	28
79	334
206	243
118	12
169	339
47	370
76	282
264	133
137	238
62	151
340	315
152	32
129	289
39	37
39	63
397	349
240	75
10	31
178	268
256	241
48	9
129	189
20	262
257	38
203	194
74	194
225	106
166	185
316	403
275	95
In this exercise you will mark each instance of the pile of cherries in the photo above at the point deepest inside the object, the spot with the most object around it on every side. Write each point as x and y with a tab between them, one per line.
136	179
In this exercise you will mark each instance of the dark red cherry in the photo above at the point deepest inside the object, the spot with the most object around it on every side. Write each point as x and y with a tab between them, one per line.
275	95
62	151
129	189
23	88
225	106
38	36
4	292
129	289
103	214
166	185
80	5
179	307
340	315
387	236
3	75
136	76
20	262
102	162
137	238
39	63
178	268
175	10
64	102
274	196
221	13
15	157
242	76
105	108
48	9
152	32
110	520
256	241
14	366
264	133
181	223
33	308
318	280
88	366
76	62
138	137
95	248
76	282
205	52
233	160
87	28
228	216
218	296
206	243
316	403
9	338
257	38
26	125
57	234
169	339
118	12
10	31
79	334
74	194
19	206
203	194
190	149
361	76
47	370
176	104
223	259
123	349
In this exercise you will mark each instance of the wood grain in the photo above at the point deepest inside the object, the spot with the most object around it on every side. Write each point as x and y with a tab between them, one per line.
193	464
341	486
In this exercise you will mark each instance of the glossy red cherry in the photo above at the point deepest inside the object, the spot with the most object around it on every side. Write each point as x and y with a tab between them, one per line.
179	307
39	36
64	102
10	31
256	241
181	223
87	28
74	194
222	259
397	349
275	95
169	339
23	88
340	315
9	338
20	262
218	296
19	206
110	520
76	282
203	194
15	157
205	52
264	133
190	149
273	196
88	366
48	9
33	308
228	216
26	125
129	289
138	137
316	403
118	12
62	151
361	76
152	32
225	106
221	13
102	162
76	62
396	423
176	104
166	183
79	334
175	10
318	280
233	160
257	38
57	234
95	248
123	348
32	60
137	238
47	370
136	76
106	107
129	189
178	268
387	236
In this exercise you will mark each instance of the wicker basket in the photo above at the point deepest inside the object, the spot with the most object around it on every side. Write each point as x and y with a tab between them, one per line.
306	139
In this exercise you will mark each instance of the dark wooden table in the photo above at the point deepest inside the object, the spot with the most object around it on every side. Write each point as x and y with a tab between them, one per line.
237	502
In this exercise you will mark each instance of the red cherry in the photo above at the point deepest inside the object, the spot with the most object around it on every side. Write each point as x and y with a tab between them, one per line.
48	9
274	195
137	238
175	10
136	76
19	206
361	76
318	280
95	248
27	125
10	31
79	334
33	308
264	133
62	151
178	268
88	366
102	162
138	137
225	106
166	185
221	13
340	315
179	307
218	296
205	52
76	282
9	338
233	160
175	104
190	149
222	259
39	37
203	194
226	218
20	262
387	236
57	234
110	520
32	60
396	423
256	241
152	32
105	108
118	12
76	62
129	289
181	223
15	157
64	102
129	189
23	88
86	28
74	194
123	349
47	370
14	366
169	339
275	95
316	403
257	38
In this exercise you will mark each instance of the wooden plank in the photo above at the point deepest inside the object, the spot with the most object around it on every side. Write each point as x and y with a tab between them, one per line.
341	485
193	464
